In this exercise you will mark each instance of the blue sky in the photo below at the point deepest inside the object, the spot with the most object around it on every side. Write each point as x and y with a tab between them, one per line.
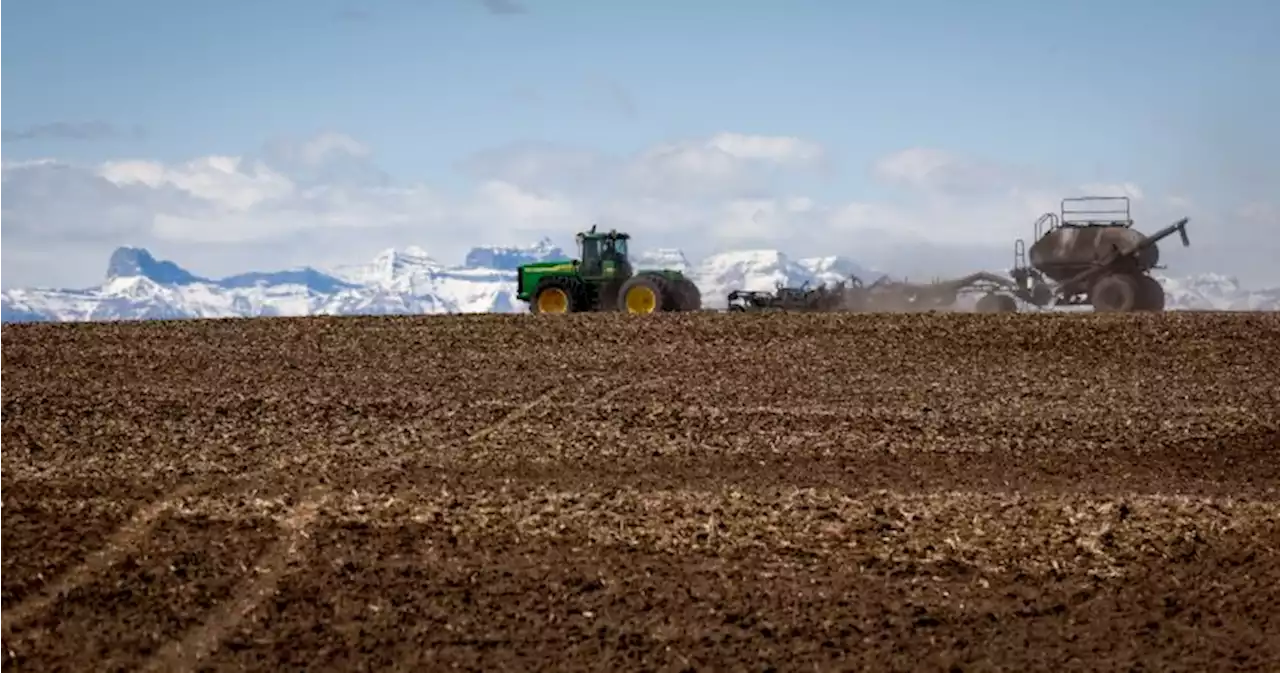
1095	92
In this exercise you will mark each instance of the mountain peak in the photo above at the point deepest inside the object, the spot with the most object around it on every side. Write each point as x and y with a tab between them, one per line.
544	245
662	258
507	258
128	261
411	256
393	267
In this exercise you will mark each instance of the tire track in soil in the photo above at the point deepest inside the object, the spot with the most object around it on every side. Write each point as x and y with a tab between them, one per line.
130	535
186	653
123	542
631	387
398	462
524	409
201	642
119	545
404	663
515	414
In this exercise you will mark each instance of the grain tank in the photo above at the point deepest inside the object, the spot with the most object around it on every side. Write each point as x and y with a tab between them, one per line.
1093	255
1067	250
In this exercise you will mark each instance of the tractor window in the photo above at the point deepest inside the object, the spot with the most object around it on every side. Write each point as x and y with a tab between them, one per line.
591	256
620	247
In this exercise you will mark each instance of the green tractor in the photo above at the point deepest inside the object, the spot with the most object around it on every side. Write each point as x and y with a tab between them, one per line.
602	279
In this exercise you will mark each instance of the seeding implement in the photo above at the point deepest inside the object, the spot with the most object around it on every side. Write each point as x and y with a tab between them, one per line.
882	295
788	299
602	279
1076	260
886	295
1085	256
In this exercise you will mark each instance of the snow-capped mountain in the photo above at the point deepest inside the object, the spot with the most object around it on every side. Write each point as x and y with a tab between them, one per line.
662	258
1216	292
508	259
411	281
763	270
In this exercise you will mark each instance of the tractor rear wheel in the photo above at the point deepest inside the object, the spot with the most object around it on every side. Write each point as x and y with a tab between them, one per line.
689	297
560	295
646	294
1116	293
1151	294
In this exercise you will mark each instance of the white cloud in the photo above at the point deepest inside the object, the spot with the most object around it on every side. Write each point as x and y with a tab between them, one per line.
939	172
525	211
317	150
233	183
781	149
723	166
323	200
915	167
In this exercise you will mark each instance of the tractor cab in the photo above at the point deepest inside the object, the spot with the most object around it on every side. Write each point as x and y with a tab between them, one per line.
603	255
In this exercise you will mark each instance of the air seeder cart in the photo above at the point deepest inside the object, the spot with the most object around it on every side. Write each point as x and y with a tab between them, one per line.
1089	254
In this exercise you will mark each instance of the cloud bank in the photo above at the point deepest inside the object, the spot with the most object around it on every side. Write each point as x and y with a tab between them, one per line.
324	200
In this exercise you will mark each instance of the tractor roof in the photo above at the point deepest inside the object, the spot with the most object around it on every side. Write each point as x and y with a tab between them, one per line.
612	233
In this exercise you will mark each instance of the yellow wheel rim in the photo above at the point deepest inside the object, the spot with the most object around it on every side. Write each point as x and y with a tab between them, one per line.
553	300
641	299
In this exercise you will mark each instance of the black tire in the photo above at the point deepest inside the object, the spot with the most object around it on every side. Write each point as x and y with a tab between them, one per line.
1151	294
1041	295
607	294
651	293
997	303
552	290
1116	293
689	296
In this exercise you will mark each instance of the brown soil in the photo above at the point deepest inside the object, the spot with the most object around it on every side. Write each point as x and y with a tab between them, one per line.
698	491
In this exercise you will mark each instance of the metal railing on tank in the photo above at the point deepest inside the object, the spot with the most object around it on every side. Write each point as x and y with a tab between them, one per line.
1096	211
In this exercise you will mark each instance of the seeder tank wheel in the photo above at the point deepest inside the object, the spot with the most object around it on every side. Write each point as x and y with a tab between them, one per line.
1117	293
1151	293
997	303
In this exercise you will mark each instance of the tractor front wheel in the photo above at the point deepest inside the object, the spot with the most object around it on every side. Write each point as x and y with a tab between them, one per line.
555	297
645	294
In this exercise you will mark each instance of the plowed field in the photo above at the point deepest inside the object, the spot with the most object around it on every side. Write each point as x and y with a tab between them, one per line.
708	492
